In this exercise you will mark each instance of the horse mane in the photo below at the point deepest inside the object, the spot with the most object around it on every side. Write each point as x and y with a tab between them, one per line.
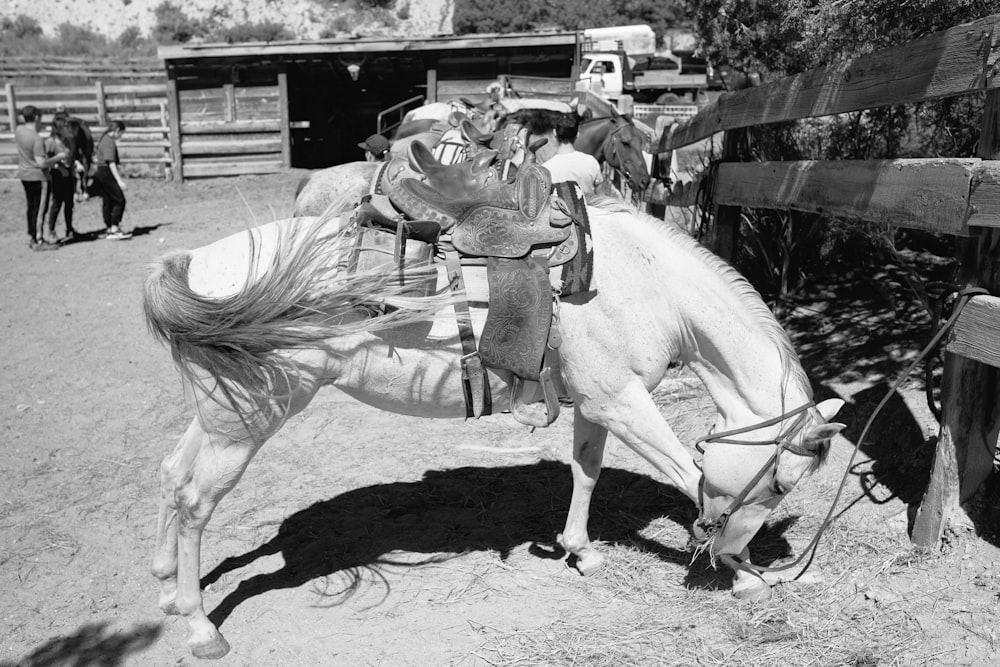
791	366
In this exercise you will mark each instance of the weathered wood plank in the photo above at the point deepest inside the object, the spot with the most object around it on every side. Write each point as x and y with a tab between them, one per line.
952	62
208	169
930	194
221	127
976	333
283	119
970	412
239	146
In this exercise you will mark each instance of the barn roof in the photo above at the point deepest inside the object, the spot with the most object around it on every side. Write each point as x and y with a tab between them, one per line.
300	48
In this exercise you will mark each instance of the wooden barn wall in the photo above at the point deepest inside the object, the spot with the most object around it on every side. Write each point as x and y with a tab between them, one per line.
230	121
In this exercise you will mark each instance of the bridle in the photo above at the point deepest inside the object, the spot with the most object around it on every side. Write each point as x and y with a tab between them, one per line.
783	442
712	528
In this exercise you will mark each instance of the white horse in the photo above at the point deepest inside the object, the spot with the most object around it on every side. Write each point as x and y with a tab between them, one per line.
335	189
260	321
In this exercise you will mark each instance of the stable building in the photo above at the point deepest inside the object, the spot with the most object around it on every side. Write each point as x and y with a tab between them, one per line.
262	107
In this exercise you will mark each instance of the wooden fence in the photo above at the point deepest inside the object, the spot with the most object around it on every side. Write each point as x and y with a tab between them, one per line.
950	196
145	148
76	68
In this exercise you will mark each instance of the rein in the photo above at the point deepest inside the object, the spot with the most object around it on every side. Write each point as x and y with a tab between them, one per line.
736	563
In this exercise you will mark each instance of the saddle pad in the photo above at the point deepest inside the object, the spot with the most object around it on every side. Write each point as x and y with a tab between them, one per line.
578	272
517	325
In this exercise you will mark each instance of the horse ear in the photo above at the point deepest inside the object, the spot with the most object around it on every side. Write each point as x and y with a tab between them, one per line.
829	408
820	432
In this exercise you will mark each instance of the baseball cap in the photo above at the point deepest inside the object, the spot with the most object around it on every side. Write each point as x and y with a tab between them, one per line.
376	143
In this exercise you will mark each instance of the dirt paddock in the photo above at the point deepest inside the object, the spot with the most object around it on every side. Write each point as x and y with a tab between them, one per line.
363	538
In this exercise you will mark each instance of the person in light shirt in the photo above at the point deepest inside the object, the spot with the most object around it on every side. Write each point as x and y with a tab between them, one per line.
563	161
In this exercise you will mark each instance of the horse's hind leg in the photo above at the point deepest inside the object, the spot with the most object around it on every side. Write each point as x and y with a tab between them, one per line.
171	476
202	469
588	455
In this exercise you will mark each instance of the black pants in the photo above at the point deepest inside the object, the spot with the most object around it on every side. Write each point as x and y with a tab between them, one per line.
33	192
62	189
111	195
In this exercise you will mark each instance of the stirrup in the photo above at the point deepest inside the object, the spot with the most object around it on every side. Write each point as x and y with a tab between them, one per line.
535	415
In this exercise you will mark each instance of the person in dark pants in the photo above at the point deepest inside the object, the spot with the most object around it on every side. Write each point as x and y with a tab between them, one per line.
109	182
31	170
62	179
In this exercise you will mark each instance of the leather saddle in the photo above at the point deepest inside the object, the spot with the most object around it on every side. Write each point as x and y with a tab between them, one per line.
518	230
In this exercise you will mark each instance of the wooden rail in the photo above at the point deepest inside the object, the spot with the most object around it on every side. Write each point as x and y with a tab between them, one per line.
942	195
143	108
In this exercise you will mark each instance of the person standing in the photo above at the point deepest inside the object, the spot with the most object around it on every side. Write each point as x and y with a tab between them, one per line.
62	177
563	161
109	182
31	170
376	148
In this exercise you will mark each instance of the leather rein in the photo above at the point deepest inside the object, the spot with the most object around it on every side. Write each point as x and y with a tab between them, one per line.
783	442
963	296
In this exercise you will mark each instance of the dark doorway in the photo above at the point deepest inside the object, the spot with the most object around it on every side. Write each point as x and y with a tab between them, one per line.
330	112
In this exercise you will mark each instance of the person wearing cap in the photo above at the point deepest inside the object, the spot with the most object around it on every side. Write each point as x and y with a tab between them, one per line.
376	148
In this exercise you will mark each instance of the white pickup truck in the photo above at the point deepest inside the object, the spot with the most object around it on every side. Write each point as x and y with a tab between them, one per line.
646	79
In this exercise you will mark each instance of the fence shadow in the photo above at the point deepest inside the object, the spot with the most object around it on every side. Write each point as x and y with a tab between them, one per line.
497	509
91	645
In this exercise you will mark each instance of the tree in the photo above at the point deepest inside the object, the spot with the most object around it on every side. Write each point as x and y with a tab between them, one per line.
173	26
483	16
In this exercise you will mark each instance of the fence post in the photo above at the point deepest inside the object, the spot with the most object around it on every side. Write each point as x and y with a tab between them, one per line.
174	109
11	105
102	107
724	234
283	111
970	410
168	164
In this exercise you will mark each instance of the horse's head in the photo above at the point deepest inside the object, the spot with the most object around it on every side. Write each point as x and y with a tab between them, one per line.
622	149
747	472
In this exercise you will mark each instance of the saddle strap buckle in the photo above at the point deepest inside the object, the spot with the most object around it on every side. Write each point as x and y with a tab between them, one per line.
475	383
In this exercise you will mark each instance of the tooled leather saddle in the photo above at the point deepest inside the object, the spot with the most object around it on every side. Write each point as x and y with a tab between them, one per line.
518	230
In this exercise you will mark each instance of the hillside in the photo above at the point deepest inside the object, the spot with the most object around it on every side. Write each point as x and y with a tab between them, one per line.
306	18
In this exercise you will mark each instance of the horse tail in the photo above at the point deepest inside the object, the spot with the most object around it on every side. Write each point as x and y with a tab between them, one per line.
234	348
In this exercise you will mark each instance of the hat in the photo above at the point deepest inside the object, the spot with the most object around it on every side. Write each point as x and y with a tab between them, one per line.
376	143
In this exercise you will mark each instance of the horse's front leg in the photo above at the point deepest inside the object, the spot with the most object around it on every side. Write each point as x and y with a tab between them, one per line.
588	455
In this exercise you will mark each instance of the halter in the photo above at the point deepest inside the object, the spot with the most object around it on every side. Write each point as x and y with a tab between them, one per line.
783	442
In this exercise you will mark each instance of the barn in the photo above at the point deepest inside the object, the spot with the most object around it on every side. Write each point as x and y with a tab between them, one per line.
261	107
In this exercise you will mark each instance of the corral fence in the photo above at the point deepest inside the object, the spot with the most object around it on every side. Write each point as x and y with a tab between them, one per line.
145	148
943	195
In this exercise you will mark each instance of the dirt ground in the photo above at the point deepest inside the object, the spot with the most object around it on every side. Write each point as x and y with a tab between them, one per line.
363	538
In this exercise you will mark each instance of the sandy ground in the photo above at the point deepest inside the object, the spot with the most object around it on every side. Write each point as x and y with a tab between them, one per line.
363	538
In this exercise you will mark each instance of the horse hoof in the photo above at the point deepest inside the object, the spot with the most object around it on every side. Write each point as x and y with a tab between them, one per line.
212	649
751	589
589	562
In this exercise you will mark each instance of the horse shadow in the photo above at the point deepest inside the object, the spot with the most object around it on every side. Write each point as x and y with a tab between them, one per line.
459	511
91	644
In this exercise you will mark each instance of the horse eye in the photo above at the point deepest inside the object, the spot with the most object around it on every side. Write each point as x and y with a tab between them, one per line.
777	488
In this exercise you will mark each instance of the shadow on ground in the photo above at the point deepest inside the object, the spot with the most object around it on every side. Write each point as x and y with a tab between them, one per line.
91	645
458	511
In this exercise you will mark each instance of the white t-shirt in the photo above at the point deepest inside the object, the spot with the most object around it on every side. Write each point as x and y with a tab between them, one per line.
575	166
